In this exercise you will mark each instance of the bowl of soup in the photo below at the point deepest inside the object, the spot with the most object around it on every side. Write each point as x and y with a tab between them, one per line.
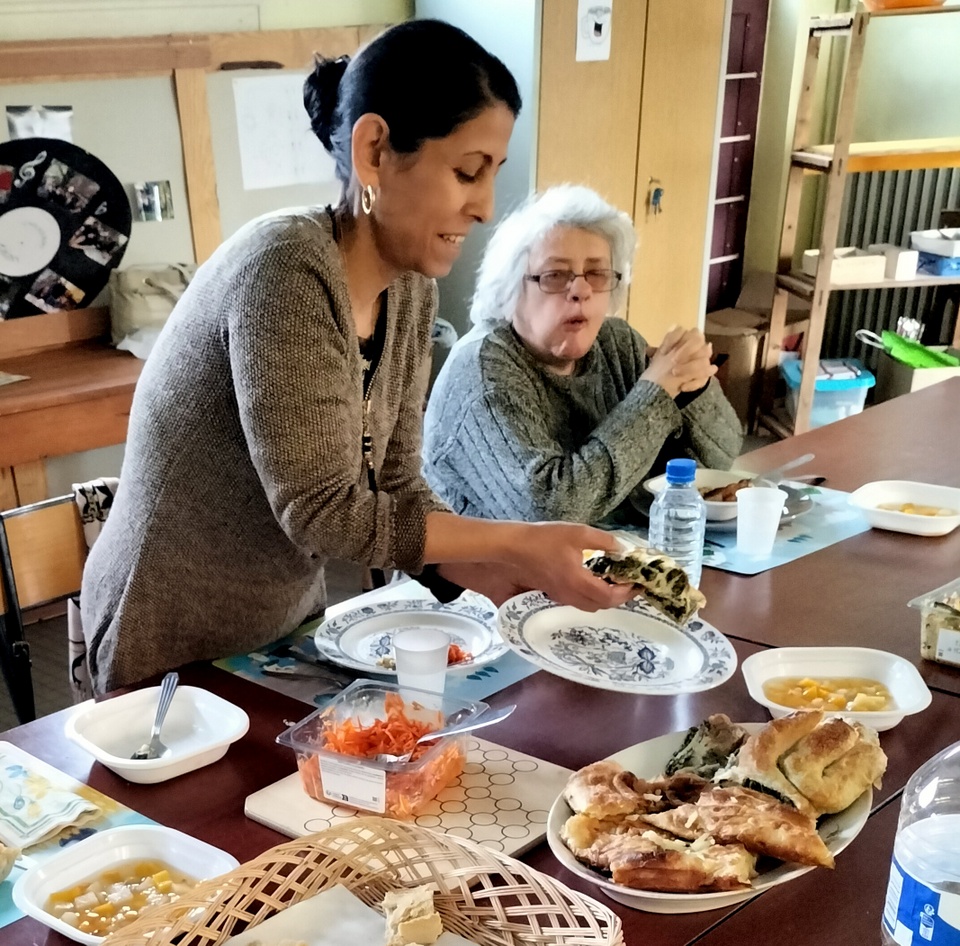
859	684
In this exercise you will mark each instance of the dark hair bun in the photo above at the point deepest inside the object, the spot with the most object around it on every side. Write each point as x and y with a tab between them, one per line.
321	93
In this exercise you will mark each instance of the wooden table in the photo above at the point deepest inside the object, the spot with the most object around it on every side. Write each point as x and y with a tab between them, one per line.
856	592
77	397
573	725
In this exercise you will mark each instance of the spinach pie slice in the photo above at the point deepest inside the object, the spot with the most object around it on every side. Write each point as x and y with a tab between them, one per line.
660	579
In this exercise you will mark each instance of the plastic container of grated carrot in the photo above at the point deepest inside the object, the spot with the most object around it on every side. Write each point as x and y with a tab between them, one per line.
336	748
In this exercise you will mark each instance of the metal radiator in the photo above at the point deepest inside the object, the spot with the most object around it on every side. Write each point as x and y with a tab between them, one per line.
883	207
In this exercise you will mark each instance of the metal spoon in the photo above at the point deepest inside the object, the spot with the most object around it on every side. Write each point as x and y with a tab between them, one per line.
155	748
478	722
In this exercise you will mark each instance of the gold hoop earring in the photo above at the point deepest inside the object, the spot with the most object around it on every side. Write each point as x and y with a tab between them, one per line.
367	199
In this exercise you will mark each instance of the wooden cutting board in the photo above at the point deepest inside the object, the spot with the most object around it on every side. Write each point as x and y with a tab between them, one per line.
501	801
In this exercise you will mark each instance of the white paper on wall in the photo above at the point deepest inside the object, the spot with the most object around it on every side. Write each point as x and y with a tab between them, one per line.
277	146
594	19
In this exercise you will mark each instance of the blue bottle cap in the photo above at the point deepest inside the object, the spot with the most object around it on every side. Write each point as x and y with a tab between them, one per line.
681	471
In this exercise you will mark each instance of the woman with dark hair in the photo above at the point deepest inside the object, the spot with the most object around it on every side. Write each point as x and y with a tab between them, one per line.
277	421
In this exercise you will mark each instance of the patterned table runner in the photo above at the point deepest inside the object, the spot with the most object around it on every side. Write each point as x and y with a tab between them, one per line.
477	683
832	519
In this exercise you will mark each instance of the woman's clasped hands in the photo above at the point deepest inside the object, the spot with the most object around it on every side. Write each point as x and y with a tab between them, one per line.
682	362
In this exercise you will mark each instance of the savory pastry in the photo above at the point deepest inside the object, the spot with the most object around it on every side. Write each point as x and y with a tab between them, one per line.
707	747
411	917
820	767
725	494
759	822
602	790
660	579
757	764
834	764
637	855
606	789
652	861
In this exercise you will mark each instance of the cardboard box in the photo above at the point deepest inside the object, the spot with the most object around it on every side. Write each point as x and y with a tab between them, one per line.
895	378
742	337
850	265
739	336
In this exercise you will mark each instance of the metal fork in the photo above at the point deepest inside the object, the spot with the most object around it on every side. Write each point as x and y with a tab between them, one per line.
155	748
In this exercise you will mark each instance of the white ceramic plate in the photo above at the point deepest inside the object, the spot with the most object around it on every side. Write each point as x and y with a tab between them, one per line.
709	479
899	676
869	496
88	858
359	638
647	759
630	649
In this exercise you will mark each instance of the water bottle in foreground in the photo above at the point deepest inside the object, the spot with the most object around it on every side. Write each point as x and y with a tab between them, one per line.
923	895
678	519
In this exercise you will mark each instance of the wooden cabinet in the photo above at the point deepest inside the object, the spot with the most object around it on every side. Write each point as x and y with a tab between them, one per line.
646	117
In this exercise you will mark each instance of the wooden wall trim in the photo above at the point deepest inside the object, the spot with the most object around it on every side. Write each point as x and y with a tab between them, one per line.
198	164
68	60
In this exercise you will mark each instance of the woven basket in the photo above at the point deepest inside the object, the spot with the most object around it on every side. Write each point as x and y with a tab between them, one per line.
484	896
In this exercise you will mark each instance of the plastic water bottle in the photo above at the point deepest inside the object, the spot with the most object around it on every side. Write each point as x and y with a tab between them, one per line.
923	895
678	519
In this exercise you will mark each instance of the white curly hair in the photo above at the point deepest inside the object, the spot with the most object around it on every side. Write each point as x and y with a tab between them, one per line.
504	264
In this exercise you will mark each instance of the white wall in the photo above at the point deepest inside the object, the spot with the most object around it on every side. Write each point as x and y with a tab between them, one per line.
510	30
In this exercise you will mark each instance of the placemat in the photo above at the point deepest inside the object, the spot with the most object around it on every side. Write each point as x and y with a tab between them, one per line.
16	765
477	683
501	801
832	519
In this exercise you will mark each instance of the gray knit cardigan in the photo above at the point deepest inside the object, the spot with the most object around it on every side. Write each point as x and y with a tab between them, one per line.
243	471
504	438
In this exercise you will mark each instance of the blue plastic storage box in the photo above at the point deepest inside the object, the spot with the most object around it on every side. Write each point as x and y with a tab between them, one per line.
841	390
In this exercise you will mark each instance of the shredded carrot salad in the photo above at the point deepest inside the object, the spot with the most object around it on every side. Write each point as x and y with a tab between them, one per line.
457	655
396	734
407	792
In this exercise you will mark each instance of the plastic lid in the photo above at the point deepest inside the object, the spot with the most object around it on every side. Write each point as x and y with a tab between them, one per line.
681	471
830	381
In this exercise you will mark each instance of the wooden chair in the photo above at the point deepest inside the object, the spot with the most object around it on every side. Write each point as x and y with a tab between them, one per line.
42	553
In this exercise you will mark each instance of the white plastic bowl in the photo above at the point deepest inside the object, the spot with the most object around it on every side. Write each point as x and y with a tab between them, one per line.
88	858
198	730
871	495
909	692
707	479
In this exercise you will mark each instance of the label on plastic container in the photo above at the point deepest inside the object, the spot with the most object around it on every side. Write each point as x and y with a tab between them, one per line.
948	646
915	914
359	786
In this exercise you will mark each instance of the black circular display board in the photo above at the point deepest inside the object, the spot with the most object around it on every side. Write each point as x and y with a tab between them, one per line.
64	224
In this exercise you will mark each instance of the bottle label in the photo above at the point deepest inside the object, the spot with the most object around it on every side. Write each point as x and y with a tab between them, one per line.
916	915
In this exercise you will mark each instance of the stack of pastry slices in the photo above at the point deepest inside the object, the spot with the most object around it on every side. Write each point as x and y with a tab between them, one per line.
727	800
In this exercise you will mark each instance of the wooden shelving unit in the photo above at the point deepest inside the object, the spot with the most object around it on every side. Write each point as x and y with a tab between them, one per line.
835	161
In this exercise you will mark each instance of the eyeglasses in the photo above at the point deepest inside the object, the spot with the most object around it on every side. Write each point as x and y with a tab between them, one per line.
560	280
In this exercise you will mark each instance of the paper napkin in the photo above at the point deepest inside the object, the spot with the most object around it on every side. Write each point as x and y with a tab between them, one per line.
32	808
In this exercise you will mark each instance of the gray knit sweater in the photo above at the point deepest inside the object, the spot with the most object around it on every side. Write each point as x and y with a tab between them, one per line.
243	470
505	438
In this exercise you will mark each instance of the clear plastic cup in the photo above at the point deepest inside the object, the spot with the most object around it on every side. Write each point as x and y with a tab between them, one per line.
759	509
421	656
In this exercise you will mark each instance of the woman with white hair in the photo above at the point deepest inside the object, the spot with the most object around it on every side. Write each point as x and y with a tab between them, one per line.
550	409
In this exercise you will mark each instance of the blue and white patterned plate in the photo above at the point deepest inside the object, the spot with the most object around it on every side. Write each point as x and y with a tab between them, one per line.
361	637
630	649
